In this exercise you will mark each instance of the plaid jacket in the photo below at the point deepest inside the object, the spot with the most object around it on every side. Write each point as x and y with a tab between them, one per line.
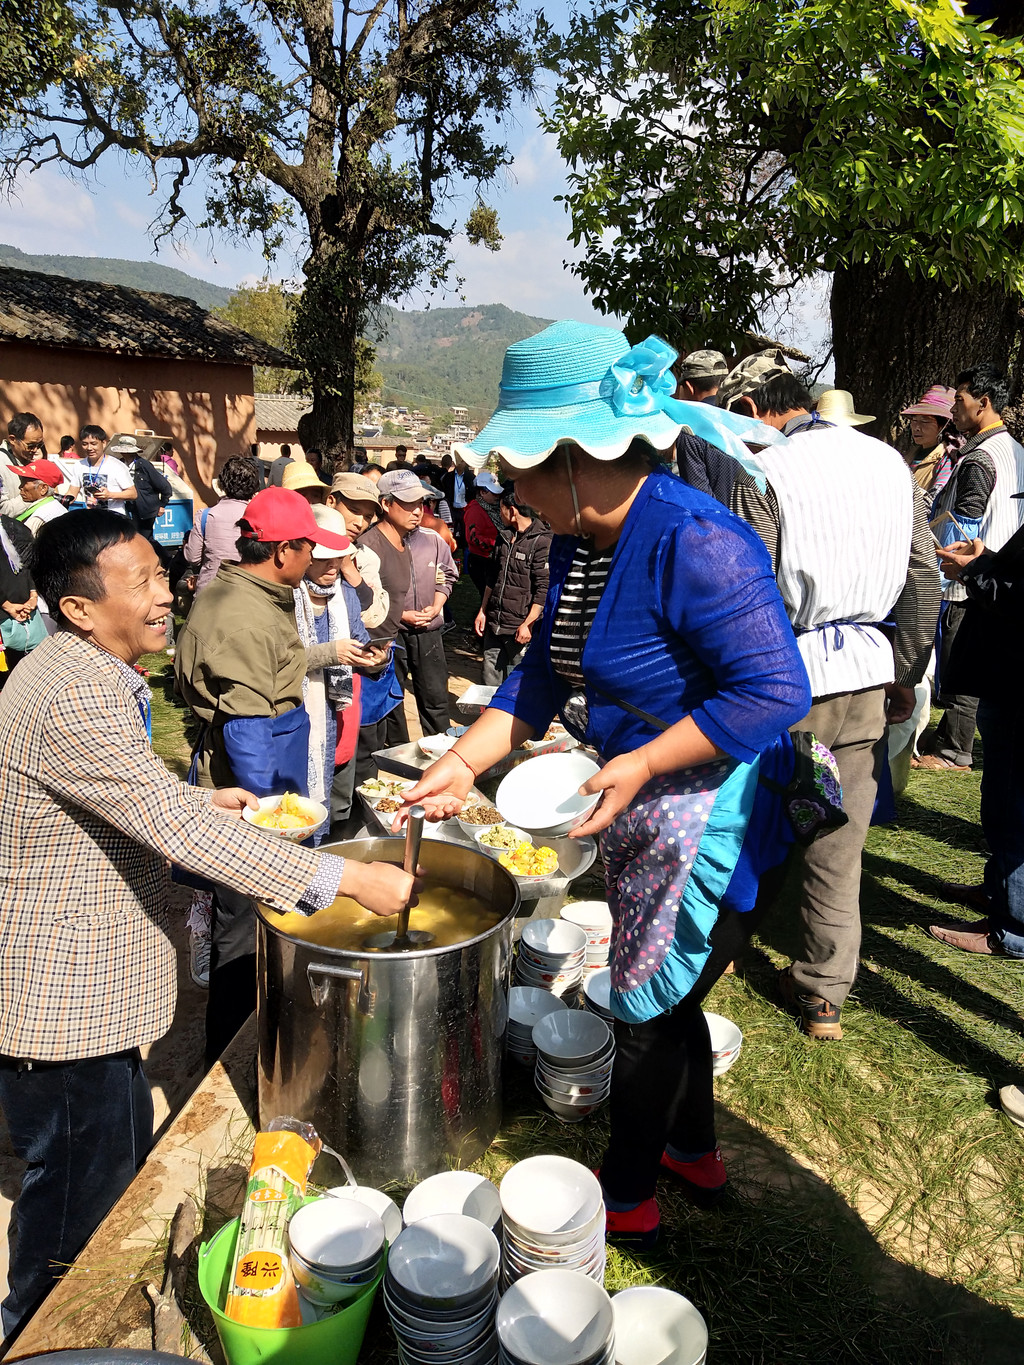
90	819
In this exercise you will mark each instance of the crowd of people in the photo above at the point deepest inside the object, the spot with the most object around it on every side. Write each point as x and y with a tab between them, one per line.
721	585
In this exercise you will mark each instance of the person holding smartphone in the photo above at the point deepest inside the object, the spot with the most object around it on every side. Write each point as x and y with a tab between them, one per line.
330	625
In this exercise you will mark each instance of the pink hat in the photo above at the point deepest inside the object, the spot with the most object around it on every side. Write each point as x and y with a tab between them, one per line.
937	402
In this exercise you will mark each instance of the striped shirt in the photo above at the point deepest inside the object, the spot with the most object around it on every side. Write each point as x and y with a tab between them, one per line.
577	607
846	511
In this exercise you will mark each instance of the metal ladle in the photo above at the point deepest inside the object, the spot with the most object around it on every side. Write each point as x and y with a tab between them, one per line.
403	937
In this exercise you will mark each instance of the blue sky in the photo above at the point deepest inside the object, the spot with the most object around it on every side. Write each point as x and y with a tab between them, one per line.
110	213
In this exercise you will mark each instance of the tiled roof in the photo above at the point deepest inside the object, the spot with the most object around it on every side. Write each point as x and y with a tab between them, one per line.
280	411
49	310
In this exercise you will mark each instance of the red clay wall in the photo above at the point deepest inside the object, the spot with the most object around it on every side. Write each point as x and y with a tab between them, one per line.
206	409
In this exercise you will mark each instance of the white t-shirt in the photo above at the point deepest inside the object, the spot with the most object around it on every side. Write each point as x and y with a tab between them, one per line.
110	474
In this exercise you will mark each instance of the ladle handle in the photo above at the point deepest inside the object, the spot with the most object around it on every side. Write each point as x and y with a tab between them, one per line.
413	839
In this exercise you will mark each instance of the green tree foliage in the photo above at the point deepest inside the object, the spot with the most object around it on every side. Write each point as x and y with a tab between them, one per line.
38	39
264	310
358	126
721	151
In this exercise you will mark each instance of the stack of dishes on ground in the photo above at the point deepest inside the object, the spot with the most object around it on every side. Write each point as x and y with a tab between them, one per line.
597	994
335	1250
575	1055
595	919
654	1326
527	1005
441	1290
554	1317
726	1041
552	1216
551	956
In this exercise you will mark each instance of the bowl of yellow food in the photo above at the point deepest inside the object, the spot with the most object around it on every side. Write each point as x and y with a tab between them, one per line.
498	839
293	816
530	862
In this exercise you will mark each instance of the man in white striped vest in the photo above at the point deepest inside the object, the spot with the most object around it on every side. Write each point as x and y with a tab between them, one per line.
854	551
976	503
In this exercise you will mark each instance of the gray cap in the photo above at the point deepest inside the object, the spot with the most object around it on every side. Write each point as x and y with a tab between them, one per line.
703	365
751	373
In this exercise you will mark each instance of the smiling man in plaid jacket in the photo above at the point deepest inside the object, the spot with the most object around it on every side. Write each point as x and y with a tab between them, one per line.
92	819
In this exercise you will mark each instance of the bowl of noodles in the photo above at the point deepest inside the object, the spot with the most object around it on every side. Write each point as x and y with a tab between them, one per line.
290	815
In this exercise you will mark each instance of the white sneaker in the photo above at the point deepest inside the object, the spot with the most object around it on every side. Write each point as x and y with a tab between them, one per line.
1011	1101
199	959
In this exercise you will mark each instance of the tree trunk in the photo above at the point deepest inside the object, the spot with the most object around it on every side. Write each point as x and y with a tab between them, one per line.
325	335
894	336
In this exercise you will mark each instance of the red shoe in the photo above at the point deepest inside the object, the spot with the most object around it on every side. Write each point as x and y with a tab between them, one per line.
637	1227
703	1180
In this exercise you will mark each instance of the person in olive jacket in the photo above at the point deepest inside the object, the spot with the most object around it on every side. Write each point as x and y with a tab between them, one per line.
516	588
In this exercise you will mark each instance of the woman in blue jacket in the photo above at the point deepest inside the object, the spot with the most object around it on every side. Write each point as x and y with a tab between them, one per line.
665	645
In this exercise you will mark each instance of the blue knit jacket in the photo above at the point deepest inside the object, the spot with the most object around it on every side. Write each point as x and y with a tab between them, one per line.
690	623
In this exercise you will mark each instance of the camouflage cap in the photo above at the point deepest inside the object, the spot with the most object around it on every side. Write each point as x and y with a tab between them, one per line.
703	365
751	373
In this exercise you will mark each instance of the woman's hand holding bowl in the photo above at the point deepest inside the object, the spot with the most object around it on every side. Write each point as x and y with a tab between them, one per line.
619	781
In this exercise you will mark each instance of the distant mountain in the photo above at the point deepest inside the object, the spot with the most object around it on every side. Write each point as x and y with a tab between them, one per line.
148	275
432	359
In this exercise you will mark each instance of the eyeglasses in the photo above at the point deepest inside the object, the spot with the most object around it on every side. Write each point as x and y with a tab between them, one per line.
35	446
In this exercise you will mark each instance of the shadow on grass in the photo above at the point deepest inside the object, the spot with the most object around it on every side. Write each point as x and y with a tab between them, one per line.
784	1270
939	824
925	883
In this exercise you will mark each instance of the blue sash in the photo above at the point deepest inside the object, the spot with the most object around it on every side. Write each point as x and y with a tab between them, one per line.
379	696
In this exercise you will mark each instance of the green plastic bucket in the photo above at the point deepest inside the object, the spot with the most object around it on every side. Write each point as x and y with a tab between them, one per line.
335	1340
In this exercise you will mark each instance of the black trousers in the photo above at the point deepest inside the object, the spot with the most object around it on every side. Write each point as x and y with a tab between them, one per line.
232	994
662	1084
478	567
424	662
83	1128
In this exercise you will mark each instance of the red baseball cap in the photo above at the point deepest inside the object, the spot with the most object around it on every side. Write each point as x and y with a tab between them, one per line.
281	514
45	470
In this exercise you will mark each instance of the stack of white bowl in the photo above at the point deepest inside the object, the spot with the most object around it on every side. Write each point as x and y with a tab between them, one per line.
726	1041
575	1055
441	1290
462	1192
654	1326
554	1317
595	919
551	956
526	1006
552	1215
597	994
335	1250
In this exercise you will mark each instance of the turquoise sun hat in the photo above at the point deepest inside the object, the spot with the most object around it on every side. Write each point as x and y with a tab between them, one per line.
579	383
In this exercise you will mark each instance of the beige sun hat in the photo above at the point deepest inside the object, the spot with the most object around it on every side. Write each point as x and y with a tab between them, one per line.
836	405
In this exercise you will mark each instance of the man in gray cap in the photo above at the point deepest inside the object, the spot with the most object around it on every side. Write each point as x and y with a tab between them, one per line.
700	375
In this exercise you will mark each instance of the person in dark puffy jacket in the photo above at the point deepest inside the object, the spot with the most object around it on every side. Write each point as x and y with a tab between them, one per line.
516	588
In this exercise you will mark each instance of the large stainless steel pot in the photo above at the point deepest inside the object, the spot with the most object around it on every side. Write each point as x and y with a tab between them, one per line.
394	1057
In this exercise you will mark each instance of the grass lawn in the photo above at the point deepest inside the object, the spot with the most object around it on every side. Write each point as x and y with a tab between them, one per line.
876	1211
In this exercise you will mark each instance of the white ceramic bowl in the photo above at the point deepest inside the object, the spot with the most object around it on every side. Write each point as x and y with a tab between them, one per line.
319	812
444	1259
597	987
542	795
555	1317
521	838
435	746
553	939
594	917
469	829
386	1209
551	1197
336	1235
528	1004
726	1041
653	1326
571	1038
454	1192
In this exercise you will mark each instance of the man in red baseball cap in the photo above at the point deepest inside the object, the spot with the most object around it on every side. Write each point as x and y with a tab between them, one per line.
240	666
38	480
